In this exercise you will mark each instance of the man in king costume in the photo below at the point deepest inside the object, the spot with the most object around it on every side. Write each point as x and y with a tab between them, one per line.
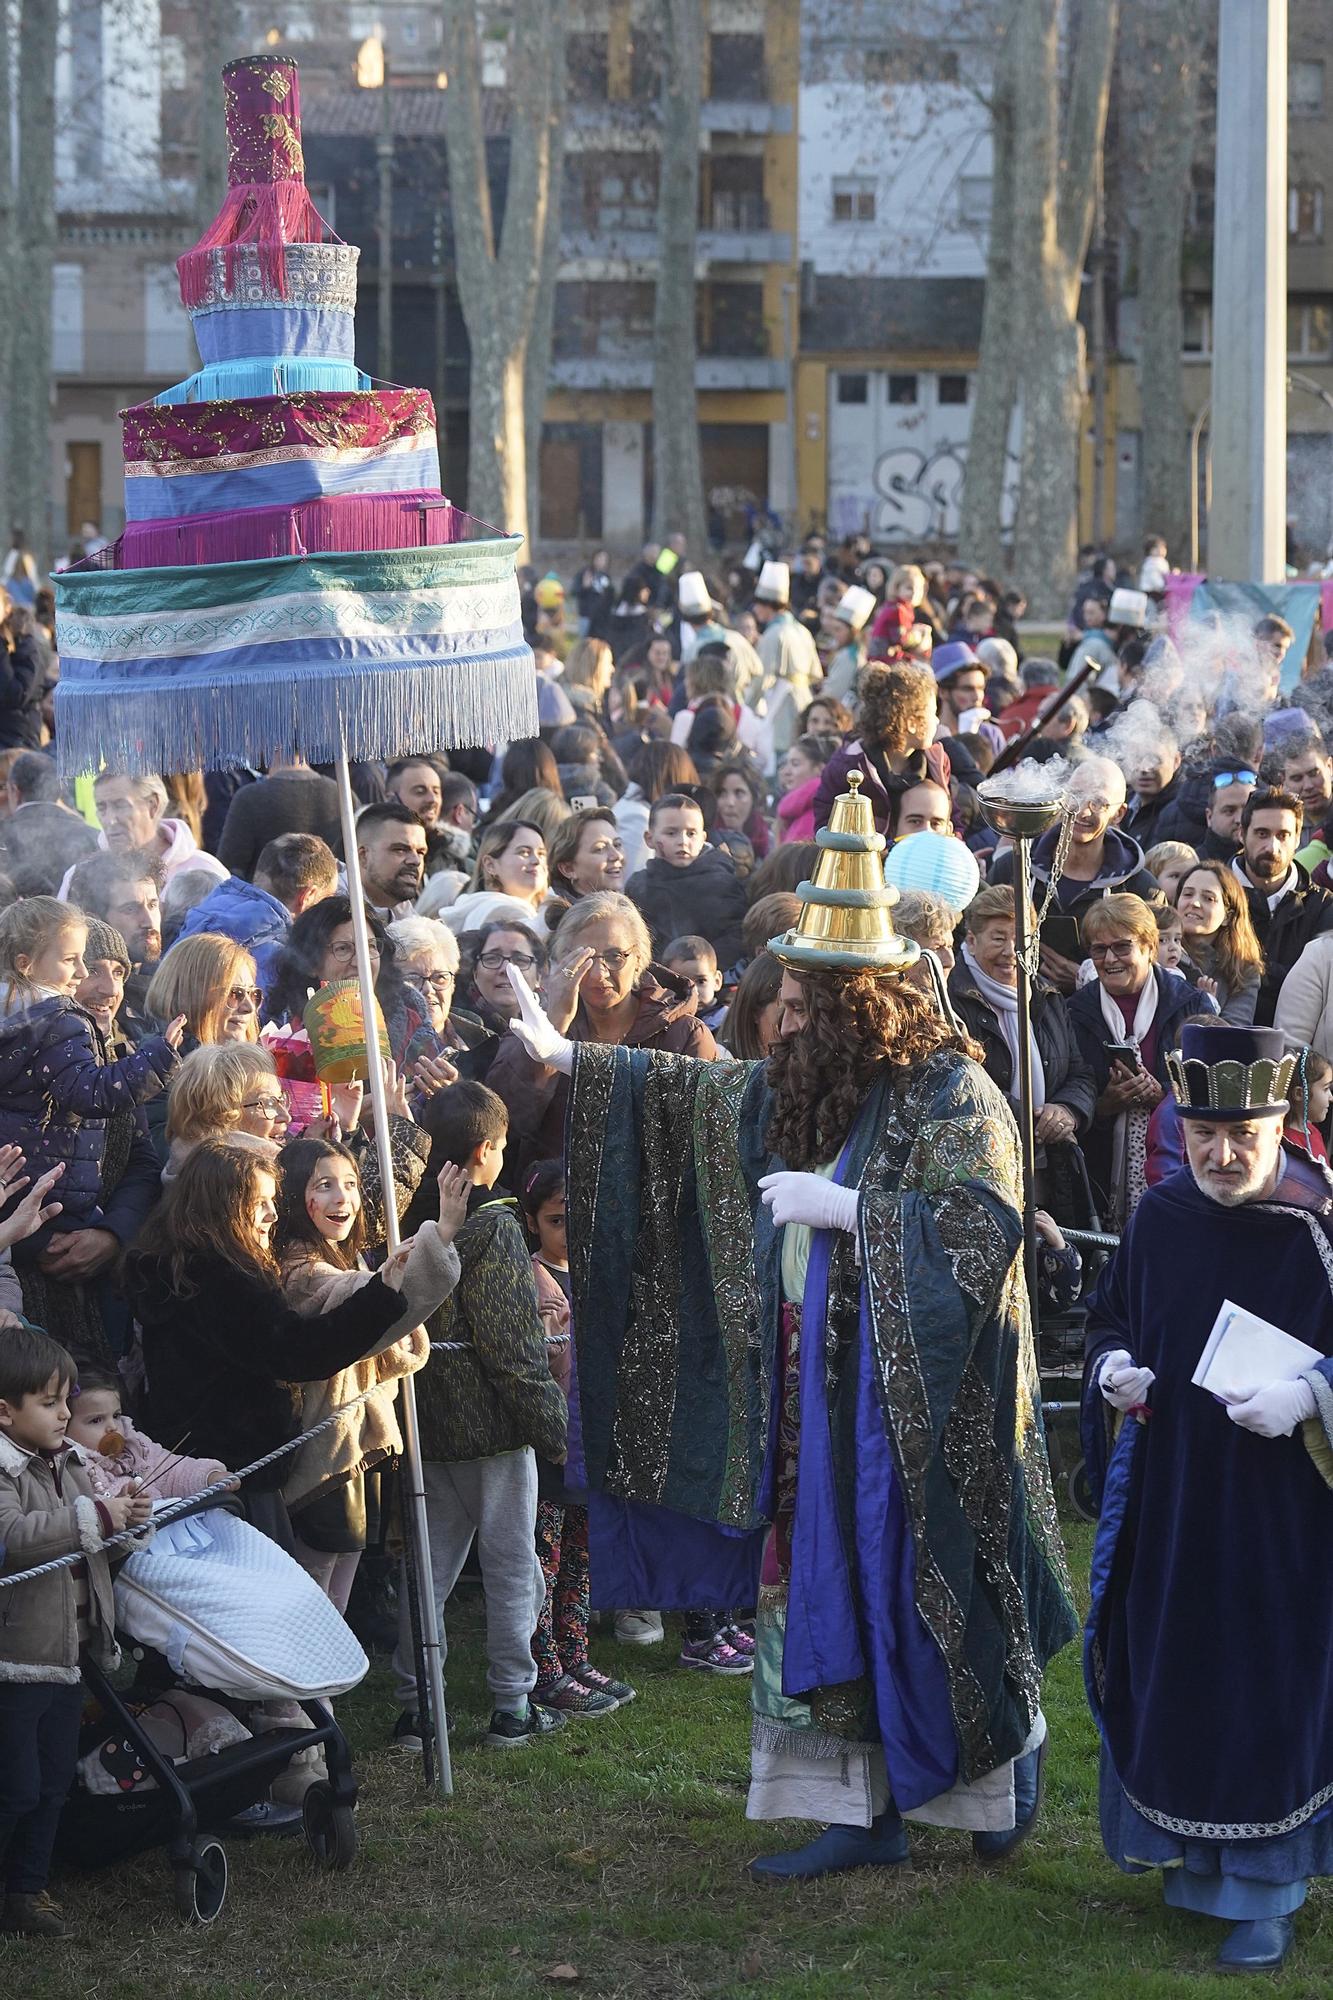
804	1360
1209	1652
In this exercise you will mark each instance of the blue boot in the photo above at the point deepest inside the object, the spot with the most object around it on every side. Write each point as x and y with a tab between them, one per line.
882	1844
1258	1945
1029	1784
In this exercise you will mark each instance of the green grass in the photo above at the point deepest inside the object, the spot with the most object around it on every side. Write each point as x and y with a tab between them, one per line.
618	1848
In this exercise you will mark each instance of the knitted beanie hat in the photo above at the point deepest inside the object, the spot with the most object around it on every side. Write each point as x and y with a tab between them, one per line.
105	941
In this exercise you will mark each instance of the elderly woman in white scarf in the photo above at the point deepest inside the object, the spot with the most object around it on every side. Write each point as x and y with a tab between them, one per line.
983	988
1126	1022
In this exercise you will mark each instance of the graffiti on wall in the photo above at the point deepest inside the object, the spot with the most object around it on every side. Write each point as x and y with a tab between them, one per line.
916	496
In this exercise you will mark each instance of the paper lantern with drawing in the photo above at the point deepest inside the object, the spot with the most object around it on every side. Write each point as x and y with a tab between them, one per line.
336	1024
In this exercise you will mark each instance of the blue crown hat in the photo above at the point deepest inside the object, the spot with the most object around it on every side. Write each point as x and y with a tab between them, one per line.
1231	1074
950	659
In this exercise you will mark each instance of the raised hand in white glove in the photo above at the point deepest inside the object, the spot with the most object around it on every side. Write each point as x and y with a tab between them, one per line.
1124	1386
1274	1412
809	1198
543	1042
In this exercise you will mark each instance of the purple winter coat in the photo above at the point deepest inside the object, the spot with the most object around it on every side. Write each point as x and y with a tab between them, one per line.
55	1097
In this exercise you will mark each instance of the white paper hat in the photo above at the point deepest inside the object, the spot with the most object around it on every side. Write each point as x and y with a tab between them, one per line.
692	595
774	584
1128	607
856	606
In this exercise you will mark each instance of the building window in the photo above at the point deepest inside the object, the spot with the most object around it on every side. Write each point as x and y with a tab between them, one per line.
853	388
953	388
1305	89
974	200
587	68
1202	207
912	60
1305	213
853	200
902	388
1198	323
1309	330
736	69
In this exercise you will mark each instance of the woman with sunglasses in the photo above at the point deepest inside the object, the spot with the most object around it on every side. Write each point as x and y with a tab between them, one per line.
602	987
1126	1022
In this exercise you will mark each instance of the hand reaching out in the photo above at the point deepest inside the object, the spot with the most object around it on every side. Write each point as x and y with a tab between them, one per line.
539	1035
455	1188
33	1210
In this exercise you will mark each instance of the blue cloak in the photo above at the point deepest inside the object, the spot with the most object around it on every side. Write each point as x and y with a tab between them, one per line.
1208	1658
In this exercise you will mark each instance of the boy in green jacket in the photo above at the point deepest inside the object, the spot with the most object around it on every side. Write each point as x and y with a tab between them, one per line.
487	1404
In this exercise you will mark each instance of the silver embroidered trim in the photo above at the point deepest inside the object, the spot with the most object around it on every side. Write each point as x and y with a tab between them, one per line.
318	274
1211	1829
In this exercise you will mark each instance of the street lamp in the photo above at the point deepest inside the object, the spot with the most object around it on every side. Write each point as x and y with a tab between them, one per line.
372	73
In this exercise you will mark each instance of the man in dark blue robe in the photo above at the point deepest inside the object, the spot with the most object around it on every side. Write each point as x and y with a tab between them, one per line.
1209	1646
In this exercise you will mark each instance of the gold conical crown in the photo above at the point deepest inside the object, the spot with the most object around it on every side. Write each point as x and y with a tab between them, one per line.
844	925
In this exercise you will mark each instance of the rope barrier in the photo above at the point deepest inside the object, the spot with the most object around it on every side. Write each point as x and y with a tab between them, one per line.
176	1508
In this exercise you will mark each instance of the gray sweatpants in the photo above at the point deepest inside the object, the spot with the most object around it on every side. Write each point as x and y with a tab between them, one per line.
494	1499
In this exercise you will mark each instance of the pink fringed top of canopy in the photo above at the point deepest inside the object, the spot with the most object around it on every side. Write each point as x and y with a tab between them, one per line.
267	205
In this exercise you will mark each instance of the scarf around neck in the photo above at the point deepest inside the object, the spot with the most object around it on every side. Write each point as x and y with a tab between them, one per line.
1003	1003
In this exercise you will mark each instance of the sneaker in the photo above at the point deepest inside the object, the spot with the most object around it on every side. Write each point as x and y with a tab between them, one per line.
572	1697
591	1677
715	1656
639	1628
33	1916
510	1732
266	1817
738	1639
407	1731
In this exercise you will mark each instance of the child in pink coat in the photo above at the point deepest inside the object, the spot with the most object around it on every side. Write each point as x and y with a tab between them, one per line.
119	1459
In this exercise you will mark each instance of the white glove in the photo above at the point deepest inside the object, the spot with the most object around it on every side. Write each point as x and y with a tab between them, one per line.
1274	1412
543	1042
811	1199
1124	1386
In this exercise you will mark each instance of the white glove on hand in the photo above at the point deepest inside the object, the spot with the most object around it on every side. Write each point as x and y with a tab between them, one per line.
1124	1386
811	1199
544	1043
1274	1412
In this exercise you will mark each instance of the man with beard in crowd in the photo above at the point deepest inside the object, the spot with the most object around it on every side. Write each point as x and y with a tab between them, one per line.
123	890
391	842
1212	1616
820	1384
1285	907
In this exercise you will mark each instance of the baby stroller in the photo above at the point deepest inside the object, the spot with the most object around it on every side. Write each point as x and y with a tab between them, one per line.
218	1618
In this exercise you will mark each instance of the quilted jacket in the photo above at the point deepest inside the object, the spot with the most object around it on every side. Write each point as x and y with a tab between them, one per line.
488	1387
56	1096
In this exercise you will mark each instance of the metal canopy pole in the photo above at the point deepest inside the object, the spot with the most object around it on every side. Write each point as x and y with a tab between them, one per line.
1026	1134
435	1731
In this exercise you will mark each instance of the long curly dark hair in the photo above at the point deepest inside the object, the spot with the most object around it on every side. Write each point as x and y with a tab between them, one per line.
862	1026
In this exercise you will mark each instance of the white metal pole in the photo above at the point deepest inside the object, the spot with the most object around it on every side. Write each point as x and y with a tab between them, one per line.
435	1723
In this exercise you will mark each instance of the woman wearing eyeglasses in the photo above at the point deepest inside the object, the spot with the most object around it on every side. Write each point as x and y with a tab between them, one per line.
226	1090
1126	1022
602	987
321	948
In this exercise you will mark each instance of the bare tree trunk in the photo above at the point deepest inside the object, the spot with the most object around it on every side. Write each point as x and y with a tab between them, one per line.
980	528
1055	193
495	276
9	270
220	41
30	374
538	372
1164	153
678	481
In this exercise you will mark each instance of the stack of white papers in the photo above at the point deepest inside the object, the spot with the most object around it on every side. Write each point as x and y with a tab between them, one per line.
1244	1353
